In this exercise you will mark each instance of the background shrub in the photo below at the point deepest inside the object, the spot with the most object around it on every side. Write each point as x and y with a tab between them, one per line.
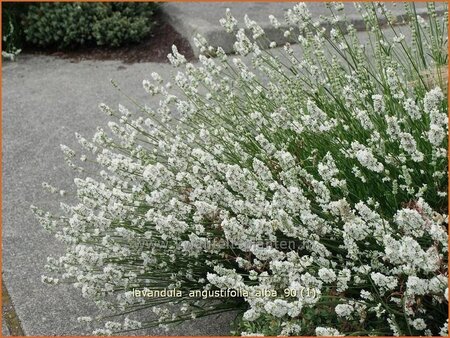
66	25
114	30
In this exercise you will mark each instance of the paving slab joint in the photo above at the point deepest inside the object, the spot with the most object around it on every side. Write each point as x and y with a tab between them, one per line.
10	317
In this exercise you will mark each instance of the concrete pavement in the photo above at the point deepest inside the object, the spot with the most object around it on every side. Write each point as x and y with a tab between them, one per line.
203	18
5	331
45	101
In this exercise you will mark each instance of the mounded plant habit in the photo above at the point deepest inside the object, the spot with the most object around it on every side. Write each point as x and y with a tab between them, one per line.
337	146
72	24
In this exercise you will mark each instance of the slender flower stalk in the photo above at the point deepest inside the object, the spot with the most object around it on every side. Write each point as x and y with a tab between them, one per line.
310	181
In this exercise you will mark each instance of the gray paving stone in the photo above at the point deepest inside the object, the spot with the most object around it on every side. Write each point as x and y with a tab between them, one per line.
5	331
45	101
203	17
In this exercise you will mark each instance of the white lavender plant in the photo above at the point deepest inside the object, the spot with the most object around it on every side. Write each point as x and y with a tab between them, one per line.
336	146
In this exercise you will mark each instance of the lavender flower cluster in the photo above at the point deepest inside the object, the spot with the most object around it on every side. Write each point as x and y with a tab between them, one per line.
336	145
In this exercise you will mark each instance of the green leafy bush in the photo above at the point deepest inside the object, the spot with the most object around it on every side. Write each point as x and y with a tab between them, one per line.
70	24
117	28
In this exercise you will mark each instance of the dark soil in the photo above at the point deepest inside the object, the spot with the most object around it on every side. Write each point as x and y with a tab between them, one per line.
153	48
